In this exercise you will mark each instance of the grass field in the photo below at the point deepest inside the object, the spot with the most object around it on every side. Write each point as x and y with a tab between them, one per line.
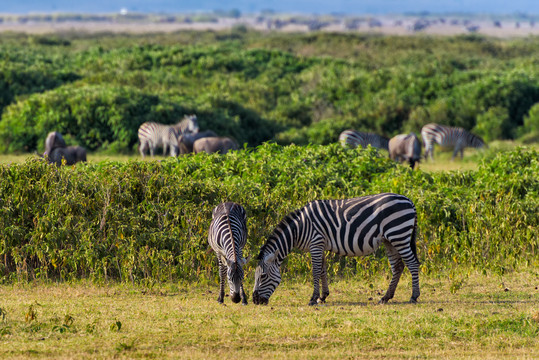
480	316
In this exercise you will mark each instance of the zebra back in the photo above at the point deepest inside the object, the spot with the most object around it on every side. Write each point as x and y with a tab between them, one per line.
228	231
353	138
189	124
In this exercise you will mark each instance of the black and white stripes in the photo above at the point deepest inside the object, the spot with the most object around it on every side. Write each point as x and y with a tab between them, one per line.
448	136
350	227
227	237
354	139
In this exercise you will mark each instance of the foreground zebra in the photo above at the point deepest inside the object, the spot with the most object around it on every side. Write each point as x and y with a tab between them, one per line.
448	136
227	237
354	139
152	135
350	227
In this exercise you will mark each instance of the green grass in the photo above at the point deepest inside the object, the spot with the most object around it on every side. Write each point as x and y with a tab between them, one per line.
483	317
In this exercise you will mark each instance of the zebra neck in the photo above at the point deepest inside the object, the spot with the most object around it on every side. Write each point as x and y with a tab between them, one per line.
286	235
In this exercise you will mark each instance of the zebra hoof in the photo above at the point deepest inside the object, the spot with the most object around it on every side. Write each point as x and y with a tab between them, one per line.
313	302
413	301
383	301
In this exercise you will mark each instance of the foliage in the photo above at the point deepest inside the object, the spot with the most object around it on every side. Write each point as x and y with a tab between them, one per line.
148	221
301	88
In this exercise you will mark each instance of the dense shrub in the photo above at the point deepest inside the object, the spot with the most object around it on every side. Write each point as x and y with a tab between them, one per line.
301	88
148	221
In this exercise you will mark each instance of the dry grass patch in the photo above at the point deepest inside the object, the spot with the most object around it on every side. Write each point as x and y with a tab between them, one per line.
487	317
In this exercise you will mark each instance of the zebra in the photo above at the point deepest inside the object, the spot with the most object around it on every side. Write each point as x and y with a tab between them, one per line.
152	135
353	138
227	237
405	147
349	227
448	136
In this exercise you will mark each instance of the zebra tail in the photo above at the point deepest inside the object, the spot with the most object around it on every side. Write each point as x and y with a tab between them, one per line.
413	241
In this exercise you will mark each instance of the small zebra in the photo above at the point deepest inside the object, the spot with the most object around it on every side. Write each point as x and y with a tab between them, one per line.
354	139
227	237
448	136
349	227
153	135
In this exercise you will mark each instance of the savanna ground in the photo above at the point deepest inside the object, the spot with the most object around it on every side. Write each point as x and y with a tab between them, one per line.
479	316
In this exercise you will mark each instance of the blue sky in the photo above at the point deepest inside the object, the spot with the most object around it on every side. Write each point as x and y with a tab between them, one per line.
300	6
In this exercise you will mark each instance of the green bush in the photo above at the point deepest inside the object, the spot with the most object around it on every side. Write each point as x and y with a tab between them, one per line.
301	88
148	221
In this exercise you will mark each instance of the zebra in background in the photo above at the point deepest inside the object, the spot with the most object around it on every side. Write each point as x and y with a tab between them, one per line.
448	136
227	237
354	139
349	227
405	147
152	135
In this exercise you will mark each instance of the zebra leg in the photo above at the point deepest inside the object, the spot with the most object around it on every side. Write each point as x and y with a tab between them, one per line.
412	263
317	256
142	148
324	278
222	280
397	267
243	296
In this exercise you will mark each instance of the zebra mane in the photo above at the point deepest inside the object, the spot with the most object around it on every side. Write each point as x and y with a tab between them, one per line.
272	238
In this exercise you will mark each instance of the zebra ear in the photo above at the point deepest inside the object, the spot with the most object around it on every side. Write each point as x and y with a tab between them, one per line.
269	258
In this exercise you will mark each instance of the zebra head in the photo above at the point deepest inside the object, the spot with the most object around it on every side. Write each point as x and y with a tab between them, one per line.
267	278
235	278
192	125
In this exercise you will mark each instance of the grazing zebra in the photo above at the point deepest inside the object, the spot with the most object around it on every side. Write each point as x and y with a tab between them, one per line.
448	136
354	139
227	237
349	227
405	147
212	145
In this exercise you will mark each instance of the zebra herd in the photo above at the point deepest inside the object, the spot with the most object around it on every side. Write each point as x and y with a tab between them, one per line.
406	147
182	138
348	227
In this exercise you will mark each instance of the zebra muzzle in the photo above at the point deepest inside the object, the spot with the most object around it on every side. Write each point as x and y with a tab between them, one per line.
235	297
258	300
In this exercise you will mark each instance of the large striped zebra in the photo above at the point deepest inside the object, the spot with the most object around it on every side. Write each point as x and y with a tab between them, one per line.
448	136
227	237
350	227
353	138
153	135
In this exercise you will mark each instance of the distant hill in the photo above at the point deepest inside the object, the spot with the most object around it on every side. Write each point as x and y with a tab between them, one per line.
253	6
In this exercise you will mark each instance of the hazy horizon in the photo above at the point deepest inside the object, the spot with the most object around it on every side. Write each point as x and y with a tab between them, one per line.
530	7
